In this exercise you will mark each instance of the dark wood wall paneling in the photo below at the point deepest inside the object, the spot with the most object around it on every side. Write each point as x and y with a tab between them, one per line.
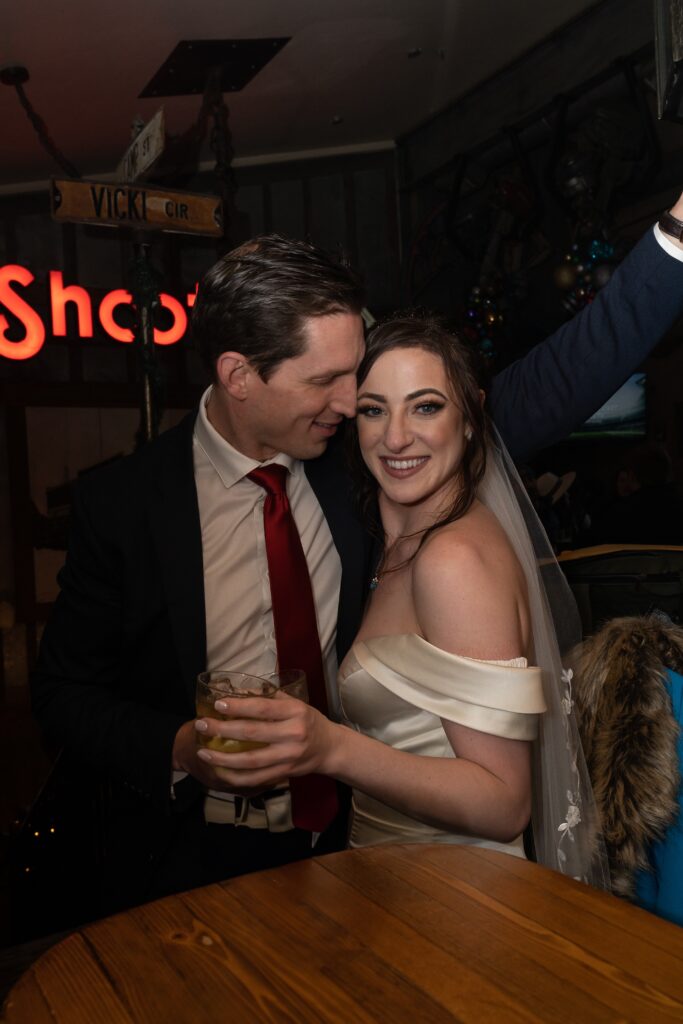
346	205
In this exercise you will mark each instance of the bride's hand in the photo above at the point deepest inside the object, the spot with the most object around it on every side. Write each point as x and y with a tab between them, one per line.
299	739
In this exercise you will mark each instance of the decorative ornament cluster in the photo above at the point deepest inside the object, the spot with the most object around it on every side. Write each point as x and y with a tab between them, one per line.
586	268
484	320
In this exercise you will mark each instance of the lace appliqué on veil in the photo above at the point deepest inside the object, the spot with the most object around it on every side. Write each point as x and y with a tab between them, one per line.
573	816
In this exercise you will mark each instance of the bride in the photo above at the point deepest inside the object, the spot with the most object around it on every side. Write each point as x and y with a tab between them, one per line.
458	723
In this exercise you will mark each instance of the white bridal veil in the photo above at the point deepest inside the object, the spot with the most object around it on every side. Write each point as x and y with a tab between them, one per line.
564	818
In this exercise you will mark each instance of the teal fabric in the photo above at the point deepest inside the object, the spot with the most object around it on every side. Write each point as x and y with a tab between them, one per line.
661	889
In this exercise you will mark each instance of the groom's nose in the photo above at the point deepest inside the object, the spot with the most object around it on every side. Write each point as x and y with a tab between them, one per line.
343	401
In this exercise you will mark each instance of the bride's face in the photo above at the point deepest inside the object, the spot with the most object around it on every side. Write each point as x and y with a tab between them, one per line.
411	430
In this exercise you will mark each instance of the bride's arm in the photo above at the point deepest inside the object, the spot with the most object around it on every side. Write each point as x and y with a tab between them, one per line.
484	792
467	603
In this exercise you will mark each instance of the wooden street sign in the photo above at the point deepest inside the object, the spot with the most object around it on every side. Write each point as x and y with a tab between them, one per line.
144	150
136	206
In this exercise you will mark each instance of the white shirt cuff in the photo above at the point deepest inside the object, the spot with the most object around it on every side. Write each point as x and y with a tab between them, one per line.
176	777
667	244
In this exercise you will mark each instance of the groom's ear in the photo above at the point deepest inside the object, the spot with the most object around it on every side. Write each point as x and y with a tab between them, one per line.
233	372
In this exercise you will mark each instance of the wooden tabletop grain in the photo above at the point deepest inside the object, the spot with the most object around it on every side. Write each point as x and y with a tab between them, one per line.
392	934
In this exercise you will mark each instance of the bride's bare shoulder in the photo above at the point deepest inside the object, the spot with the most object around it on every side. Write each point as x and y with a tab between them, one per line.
466	578
477	539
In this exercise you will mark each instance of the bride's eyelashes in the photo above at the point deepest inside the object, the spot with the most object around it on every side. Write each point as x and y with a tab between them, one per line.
368	410
429	408
424	409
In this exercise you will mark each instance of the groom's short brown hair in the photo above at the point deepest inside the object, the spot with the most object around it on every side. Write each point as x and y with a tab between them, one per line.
256	298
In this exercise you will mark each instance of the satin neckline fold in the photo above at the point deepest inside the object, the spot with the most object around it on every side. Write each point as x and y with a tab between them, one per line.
498	698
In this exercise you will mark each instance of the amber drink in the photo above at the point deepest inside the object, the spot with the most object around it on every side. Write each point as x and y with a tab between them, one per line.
213	686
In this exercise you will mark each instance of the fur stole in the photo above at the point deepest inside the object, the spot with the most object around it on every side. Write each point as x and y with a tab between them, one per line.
629	736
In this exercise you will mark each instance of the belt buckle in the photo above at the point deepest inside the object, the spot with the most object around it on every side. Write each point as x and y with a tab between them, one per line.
270	810
278	810
241	805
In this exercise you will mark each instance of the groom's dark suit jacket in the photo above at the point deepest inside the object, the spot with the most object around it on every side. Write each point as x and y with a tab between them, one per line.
119	657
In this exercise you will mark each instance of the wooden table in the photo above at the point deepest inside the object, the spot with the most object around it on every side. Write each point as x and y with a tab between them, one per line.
395	933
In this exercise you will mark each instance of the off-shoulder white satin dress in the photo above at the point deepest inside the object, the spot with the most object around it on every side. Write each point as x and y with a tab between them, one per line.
397	689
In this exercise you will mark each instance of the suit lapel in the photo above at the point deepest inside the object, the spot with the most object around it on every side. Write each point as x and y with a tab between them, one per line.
330	484
177	536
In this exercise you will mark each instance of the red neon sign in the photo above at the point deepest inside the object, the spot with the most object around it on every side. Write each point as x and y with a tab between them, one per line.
33	326
60	295
111	300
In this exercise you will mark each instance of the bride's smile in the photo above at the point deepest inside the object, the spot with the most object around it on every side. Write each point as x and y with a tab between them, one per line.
411	430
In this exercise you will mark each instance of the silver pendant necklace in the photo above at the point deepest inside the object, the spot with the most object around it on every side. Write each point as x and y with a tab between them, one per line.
376	577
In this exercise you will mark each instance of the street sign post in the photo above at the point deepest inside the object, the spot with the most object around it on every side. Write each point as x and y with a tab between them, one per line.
140	209
144	150
134	206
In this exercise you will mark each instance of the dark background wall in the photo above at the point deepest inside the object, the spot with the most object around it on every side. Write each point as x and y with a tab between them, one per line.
487	200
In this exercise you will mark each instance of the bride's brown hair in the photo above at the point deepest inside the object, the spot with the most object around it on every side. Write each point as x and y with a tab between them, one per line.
428	333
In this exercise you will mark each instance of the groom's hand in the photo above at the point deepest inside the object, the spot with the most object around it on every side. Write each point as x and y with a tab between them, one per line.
185	759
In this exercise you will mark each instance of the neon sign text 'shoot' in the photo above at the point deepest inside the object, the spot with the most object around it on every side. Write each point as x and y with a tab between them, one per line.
12	301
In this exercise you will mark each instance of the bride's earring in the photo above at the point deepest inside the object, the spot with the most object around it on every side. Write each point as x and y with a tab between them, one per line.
468	434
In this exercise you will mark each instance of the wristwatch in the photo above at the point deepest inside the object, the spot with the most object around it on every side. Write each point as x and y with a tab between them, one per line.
671	225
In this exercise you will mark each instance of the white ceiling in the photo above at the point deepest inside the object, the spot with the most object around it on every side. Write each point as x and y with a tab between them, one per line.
89	59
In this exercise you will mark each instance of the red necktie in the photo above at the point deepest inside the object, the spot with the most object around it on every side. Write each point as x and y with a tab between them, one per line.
314	797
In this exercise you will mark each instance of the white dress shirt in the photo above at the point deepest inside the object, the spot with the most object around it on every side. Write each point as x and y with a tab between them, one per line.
239	615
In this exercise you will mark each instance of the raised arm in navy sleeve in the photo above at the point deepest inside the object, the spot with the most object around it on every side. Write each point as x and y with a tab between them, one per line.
542	397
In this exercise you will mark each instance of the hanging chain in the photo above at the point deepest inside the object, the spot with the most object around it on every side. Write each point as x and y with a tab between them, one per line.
43	135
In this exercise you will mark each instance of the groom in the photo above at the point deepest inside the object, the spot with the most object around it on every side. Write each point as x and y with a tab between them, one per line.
167	568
